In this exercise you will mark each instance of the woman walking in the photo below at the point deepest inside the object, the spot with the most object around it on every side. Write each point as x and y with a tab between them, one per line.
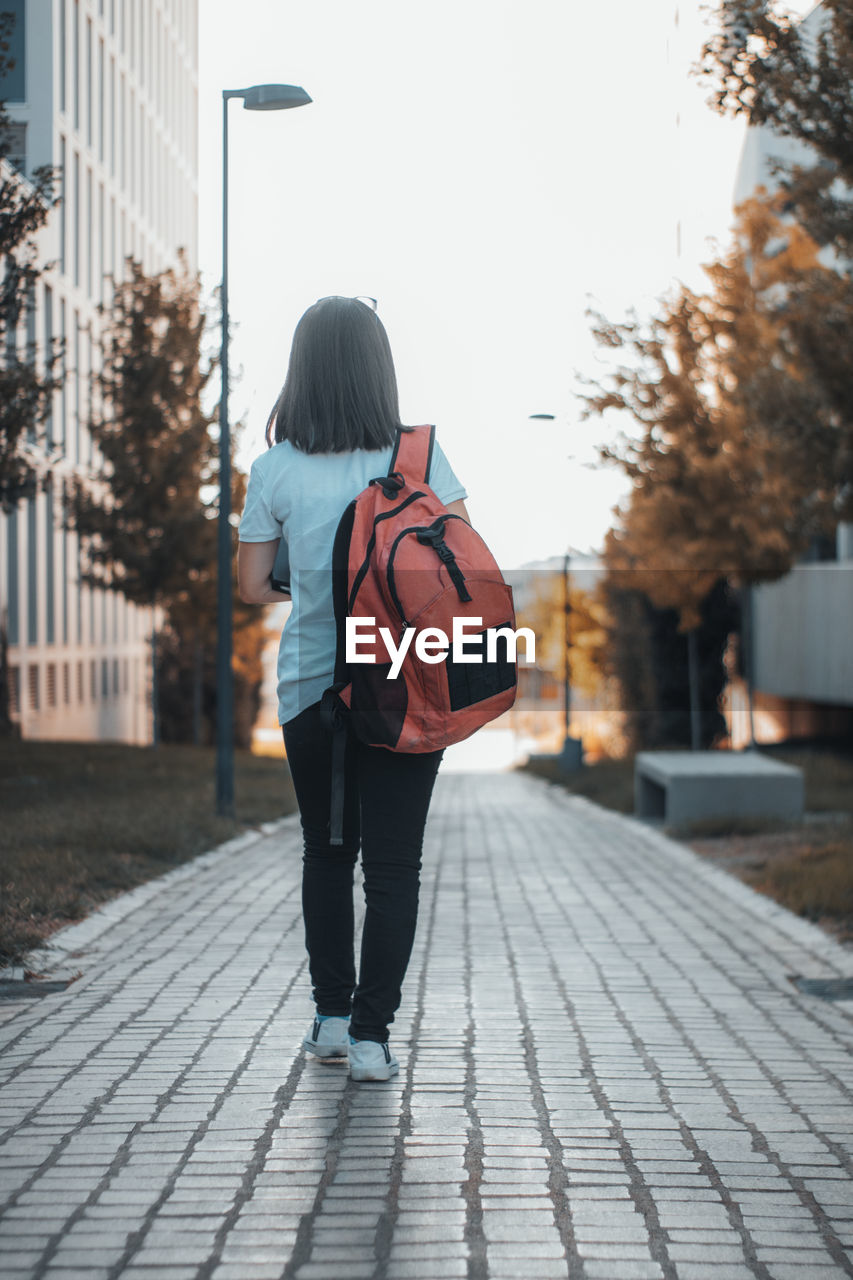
331	431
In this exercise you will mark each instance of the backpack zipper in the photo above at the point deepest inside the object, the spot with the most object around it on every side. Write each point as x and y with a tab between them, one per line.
414	528
365	564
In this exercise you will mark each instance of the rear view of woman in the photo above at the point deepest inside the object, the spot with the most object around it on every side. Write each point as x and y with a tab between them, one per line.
331	431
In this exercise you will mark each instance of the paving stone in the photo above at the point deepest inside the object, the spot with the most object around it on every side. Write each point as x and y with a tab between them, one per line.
500	1249
624	1269
594	1020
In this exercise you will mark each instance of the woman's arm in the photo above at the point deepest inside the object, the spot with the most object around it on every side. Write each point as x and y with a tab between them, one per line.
254	566
457	508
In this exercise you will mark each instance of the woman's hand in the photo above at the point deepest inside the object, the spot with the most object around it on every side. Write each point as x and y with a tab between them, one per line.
255	561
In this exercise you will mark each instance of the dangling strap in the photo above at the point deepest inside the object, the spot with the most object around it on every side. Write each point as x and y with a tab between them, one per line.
413	453
333	713
336	806
434	537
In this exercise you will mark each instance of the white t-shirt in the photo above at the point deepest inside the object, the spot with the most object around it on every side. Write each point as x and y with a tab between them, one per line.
302	496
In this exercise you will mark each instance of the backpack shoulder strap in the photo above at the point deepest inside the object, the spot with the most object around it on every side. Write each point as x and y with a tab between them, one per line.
413	452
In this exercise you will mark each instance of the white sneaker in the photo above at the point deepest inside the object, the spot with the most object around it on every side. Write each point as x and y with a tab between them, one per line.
329	1038
369	1060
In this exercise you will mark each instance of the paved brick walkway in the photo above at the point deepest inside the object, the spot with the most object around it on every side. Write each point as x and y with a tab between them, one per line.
606	1072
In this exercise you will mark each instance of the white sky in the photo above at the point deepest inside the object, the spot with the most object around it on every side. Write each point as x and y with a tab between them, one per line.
483	168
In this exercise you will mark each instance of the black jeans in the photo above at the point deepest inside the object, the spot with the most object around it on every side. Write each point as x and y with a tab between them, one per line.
386	799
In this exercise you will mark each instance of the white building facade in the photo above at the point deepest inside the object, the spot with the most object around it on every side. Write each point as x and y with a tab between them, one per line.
107	92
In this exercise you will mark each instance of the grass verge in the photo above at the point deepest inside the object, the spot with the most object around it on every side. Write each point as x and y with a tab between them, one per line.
806	866
609	783
85	821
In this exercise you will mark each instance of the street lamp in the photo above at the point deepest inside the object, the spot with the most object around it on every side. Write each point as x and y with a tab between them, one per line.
571	756
259	97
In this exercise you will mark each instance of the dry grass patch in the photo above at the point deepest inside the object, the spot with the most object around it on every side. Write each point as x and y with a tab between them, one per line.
84	821
609	783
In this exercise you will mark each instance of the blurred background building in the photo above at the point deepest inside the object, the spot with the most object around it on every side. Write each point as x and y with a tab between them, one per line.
107	92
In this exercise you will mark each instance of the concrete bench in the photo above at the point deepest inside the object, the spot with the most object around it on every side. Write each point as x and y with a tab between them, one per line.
683	786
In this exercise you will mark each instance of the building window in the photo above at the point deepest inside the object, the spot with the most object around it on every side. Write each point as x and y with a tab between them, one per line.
93	679
112	257
101	92
48	354
60	438
66	683
102	230
15	690
132	146
89	39
125	674
33	686
63	201
90	214
13	86
63	54
31	333
32	573
105	678
50	693
115	676
81	683
16	146
112	116
65	576
76	219
78	377
50	565
122	143
13	626
90	380
75	65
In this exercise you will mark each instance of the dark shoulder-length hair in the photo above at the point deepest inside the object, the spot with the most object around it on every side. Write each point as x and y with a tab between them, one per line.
340	392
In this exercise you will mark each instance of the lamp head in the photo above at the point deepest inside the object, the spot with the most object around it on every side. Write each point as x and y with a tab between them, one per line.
274	97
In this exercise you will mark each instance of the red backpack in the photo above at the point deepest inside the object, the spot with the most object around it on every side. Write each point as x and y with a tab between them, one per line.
403	560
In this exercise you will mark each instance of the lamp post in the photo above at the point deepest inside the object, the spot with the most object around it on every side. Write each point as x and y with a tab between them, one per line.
571	756
259	97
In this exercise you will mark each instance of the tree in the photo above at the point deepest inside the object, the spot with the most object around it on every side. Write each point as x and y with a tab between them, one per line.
795	79
26	390
143	524
648	658
724	486
543	613
147	518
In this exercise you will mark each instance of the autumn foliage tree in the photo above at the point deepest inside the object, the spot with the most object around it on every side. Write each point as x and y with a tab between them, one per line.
724	485
147	516
794	78
544	614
